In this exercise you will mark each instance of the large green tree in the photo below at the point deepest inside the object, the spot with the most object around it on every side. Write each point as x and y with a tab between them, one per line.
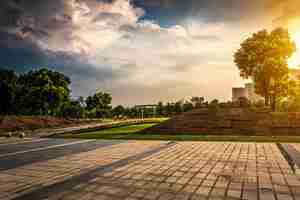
100	100
99	103
118	111
8	89
263	58
43	92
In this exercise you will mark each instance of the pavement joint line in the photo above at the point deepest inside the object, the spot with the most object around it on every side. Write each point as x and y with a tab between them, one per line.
24	141
44	148
47	191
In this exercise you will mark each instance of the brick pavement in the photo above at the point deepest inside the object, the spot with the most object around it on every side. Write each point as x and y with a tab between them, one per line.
186	170
17	181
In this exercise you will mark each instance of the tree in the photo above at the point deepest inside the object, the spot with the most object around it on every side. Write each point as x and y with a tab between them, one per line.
81	100
178	107
118	111
100	103
292	100
43	92
99	100
197	101
90	103
160	108
214	106
169	108
187	106
263	58
72	109
8	89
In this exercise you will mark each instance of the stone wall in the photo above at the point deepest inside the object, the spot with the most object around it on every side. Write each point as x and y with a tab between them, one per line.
233	121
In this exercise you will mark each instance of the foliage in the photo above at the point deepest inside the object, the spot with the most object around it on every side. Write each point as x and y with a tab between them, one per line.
187	106
197	101
99	104
292	102
263	58
8	87
119	111
214	106
160	108
46	92
73	109
42	92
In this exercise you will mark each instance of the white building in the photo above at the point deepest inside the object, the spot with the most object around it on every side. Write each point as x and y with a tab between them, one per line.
247	92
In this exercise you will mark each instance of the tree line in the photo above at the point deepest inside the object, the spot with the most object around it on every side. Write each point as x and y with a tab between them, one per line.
45	92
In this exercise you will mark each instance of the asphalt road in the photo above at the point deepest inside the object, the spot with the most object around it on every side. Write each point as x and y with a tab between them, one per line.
21	153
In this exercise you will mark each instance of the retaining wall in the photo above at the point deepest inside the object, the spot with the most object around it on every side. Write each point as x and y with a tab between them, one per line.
231	121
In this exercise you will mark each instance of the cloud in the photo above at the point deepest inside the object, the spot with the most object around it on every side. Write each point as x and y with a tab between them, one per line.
209	11
112	45
284	12
22	55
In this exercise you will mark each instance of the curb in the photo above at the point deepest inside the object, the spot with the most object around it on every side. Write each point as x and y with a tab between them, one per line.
291	155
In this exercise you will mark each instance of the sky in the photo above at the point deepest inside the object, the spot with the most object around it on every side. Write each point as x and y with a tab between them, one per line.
140	51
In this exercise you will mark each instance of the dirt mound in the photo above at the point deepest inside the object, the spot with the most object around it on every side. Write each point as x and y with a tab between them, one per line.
14	123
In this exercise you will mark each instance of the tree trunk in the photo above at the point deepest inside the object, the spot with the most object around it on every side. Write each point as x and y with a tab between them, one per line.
273	103
267	100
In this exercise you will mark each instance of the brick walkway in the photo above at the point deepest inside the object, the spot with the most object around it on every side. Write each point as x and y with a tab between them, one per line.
185	170
17	181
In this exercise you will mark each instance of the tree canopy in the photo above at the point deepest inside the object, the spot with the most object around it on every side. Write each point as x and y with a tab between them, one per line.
8	81
99	104
263	58
47	92
43	91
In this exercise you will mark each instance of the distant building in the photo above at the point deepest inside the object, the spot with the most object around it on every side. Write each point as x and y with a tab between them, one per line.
238	93
247	92
143	108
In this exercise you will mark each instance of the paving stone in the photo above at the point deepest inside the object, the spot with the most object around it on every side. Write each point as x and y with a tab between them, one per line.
186	170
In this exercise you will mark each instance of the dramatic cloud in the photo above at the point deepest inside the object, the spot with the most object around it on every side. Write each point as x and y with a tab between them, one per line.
137	49
210	11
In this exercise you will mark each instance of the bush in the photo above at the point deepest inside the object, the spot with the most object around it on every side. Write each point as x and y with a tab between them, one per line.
73	110
214	106
244	102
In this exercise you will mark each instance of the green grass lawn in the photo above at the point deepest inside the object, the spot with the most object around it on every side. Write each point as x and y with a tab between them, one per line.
112	133
134	132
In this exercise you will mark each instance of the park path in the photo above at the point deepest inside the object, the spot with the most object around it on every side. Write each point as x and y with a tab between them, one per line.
147	170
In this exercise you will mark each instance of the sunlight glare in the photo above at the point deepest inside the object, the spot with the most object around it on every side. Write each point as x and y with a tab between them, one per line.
294	61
